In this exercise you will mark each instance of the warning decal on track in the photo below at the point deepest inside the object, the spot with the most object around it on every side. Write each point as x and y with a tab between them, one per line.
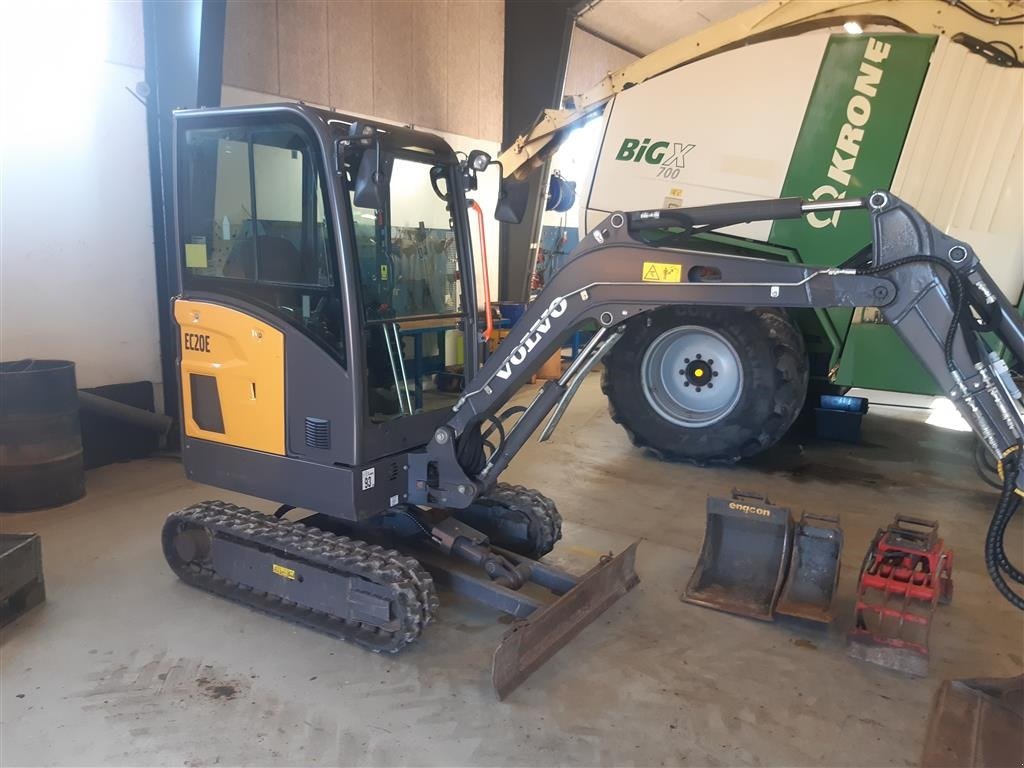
281	570
655	272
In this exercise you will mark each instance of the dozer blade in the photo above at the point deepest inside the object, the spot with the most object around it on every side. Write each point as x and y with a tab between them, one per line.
743	558
813	569
533	640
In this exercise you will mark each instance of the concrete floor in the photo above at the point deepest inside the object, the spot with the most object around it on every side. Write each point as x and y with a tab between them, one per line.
125	665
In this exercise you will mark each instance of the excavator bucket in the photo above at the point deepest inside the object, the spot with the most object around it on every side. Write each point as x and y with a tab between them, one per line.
813	569
976	723
743	559
535	639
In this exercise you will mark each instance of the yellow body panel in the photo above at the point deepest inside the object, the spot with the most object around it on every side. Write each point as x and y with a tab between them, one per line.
246	357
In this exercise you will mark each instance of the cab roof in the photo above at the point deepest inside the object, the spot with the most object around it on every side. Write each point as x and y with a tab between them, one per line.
393	137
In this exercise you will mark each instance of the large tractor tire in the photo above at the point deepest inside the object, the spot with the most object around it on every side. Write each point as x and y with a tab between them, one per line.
707	385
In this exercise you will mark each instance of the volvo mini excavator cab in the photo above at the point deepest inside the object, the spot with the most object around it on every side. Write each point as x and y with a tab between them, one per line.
314	248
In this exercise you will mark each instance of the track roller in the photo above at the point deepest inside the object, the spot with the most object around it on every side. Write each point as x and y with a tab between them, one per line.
516	518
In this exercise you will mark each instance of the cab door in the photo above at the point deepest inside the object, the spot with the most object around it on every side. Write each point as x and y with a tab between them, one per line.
410	252
263	353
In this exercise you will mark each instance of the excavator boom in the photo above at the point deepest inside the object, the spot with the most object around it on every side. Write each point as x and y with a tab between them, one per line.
931	288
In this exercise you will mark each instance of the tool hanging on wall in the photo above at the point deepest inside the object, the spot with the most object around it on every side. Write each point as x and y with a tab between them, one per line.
561	193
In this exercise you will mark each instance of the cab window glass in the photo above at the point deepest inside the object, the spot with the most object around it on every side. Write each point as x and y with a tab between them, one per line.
410	288
254	226
408	262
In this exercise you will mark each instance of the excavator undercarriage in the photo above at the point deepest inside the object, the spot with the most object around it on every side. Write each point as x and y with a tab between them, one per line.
313	573
369	595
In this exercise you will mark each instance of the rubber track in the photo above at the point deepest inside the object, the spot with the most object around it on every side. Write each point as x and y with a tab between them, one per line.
537	507
414	600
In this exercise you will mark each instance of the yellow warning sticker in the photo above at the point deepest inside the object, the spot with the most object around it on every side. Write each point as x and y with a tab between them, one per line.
383	271
195	255
674	199
280	570
655	272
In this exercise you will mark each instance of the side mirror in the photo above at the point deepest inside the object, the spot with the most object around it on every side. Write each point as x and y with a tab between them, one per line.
512	199
372	179
374	173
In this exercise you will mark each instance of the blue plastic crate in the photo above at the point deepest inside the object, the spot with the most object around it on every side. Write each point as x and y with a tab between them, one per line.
843	426
845	403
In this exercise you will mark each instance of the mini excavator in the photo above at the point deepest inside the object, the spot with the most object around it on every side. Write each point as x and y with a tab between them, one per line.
327	273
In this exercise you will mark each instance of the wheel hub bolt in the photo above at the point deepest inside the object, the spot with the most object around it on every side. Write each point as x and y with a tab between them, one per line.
697	372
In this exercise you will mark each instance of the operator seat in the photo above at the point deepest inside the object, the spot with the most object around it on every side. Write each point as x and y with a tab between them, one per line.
279	260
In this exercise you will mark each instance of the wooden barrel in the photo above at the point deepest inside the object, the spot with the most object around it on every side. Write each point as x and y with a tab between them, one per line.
40	437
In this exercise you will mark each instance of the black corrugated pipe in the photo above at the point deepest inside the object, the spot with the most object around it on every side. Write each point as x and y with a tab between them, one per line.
139	417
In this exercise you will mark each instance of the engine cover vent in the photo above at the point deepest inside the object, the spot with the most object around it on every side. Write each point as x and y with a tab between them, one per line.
318	433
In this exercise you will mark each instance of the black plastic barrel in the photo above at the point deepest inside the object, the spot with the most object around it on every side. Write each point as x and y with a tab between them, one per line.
40	437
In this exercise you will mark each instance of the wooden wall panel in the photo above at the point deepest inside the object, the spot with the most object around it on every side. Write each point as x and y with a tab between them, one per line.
492	68
392	60
250	45
463	69
429	55
350	55
590	59
302	50
435	63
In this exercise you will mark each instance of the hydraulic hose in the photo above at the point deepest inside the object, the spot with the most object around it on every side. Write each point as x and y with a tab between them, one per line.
996	562
1002	560
985	466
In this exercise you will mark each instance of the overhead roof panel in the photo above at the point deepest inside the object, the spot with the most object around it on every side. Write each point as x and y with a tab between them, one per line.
643	26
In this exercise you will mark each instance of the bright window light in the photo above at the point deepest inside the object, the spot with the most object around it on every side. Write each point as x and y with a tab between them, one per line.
51	52
579	151
945	415
853	28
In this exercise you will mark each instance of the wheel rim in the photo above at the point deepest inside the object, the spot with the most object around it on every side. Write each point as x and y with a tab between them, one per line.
692	376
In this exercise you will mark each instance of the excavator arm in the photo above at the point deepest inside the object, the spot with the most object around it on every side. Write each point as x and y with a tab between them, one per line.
931	288
999	20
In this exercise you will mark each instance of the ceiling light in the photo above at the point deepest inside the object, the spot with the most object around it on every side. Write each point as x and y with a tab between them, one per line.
853	28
